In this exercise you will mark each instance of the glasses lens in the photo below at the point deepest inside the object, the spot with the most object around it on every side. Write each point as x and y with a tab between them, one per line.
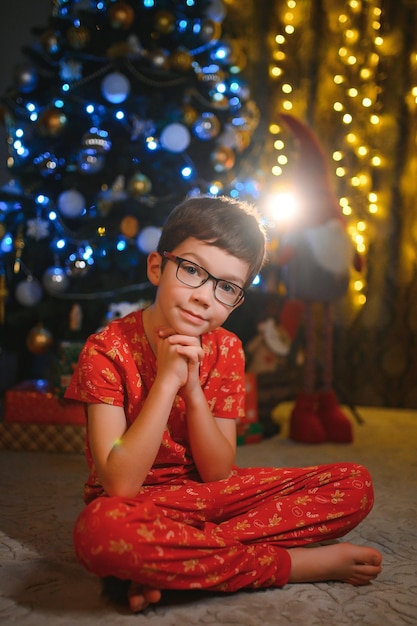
191	274
228	293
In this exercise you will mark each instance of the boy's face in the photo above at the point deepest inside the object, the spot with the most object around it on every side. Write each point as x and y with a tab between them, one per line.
187	310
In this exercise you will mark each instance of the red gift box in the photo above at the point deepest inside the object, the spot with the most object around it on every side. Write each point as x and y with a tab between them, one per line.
31	401
251	399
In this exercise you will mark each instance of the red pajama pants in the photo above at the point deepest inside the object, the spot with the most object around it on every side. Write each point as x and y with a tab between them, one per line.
224	535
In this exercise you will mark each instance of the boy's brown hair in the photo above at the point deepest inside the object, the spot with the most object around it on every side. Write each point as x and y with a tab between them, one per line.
232	225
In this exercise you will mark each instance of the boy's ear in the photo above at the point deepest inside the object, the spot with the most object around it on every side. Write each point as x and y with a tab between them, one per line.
154	269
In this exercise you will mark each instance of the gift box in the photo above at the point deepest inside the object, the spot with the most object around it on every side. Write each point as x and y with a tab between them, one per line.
69	352
251	399
32	401
249	433
67	438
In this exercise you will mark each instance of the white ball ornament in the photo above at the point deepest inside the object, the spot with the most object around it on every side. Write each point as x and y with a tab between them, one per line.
115	87
148	239
28	292
55	280
71	203
175	137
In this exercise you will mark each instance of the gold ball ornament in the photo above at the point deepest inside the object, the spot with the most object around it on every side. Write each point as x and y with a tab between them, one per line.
129	226
222	159
164	22
181	61
139	185
78	37
52	122
189	114
121	15
51	42
39	340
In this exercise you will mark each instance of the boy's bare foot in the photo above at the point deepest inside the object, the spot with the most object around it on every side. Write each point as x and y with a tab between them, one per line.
345	562
141	596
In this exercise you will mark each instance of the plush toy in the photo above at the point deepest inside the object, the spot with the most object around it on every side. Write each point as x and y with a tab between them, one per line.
268	349
316	255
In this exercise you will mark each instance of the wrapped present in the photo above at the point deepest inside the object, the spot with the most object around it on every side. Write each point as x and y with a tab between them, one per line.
32	401
249	433
251	399
69	352
42	437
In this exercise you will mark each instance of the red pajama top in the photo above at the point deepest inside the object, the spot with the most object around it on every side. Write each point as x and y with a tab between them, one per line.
117	366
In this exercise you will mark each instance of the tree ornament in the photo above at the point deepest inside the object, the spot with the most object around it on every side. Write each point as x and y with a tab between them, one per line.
189	114
78	37
206	127
90	161
175	137
222	159
159	58
129	226
52	122
164	22
51	42
210	31
37	228
71	203
28	292
26	77
55	280
181	61
115	87
70	70
139	185
148	239
121	15
39	340
77	266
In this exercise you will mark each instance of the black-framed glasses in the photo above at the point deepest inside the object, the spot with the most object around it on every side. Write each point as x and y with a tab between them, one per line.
194	276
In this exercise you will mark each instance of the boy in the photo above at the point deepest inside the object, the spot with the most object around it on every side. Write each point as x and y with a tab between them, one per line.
166	506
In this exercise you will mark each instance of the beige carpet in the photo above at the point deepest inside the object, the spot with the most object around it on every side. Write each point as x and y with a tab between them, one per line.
41	583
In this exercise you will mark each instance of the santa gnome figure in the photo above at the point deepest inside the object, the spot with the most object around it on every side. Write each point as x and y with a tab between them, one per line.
316	255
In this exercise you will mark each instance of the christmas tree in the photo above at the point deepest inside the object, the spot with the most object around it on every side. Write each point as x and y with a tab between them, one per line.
121	109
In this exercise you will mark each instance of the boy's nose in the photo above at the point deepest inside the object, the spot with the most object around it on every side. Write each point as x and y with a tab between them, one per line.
204	292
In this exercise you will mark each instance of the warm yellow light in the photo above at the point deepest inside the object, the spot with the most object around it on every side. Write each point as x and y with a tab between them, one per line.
289	29
291	4
347	118
279	55
358	285
337	155
351	138
282	159
361	226
101	231
365	73
274	129
361	247
338	79
352	92
347	210
286	88
361	298
414	91
279	144
373	208
352	59
372	196
340	172
379	41
287	105
376	25
354	181
376	161
289	16
280	39
343	18
338	106
362	150
276	71
343	52
374	119
367	102
343	201
276	170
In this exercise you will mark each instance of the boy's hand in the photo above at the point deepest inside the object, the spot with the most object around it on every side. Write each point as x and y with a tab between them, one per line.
181	355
